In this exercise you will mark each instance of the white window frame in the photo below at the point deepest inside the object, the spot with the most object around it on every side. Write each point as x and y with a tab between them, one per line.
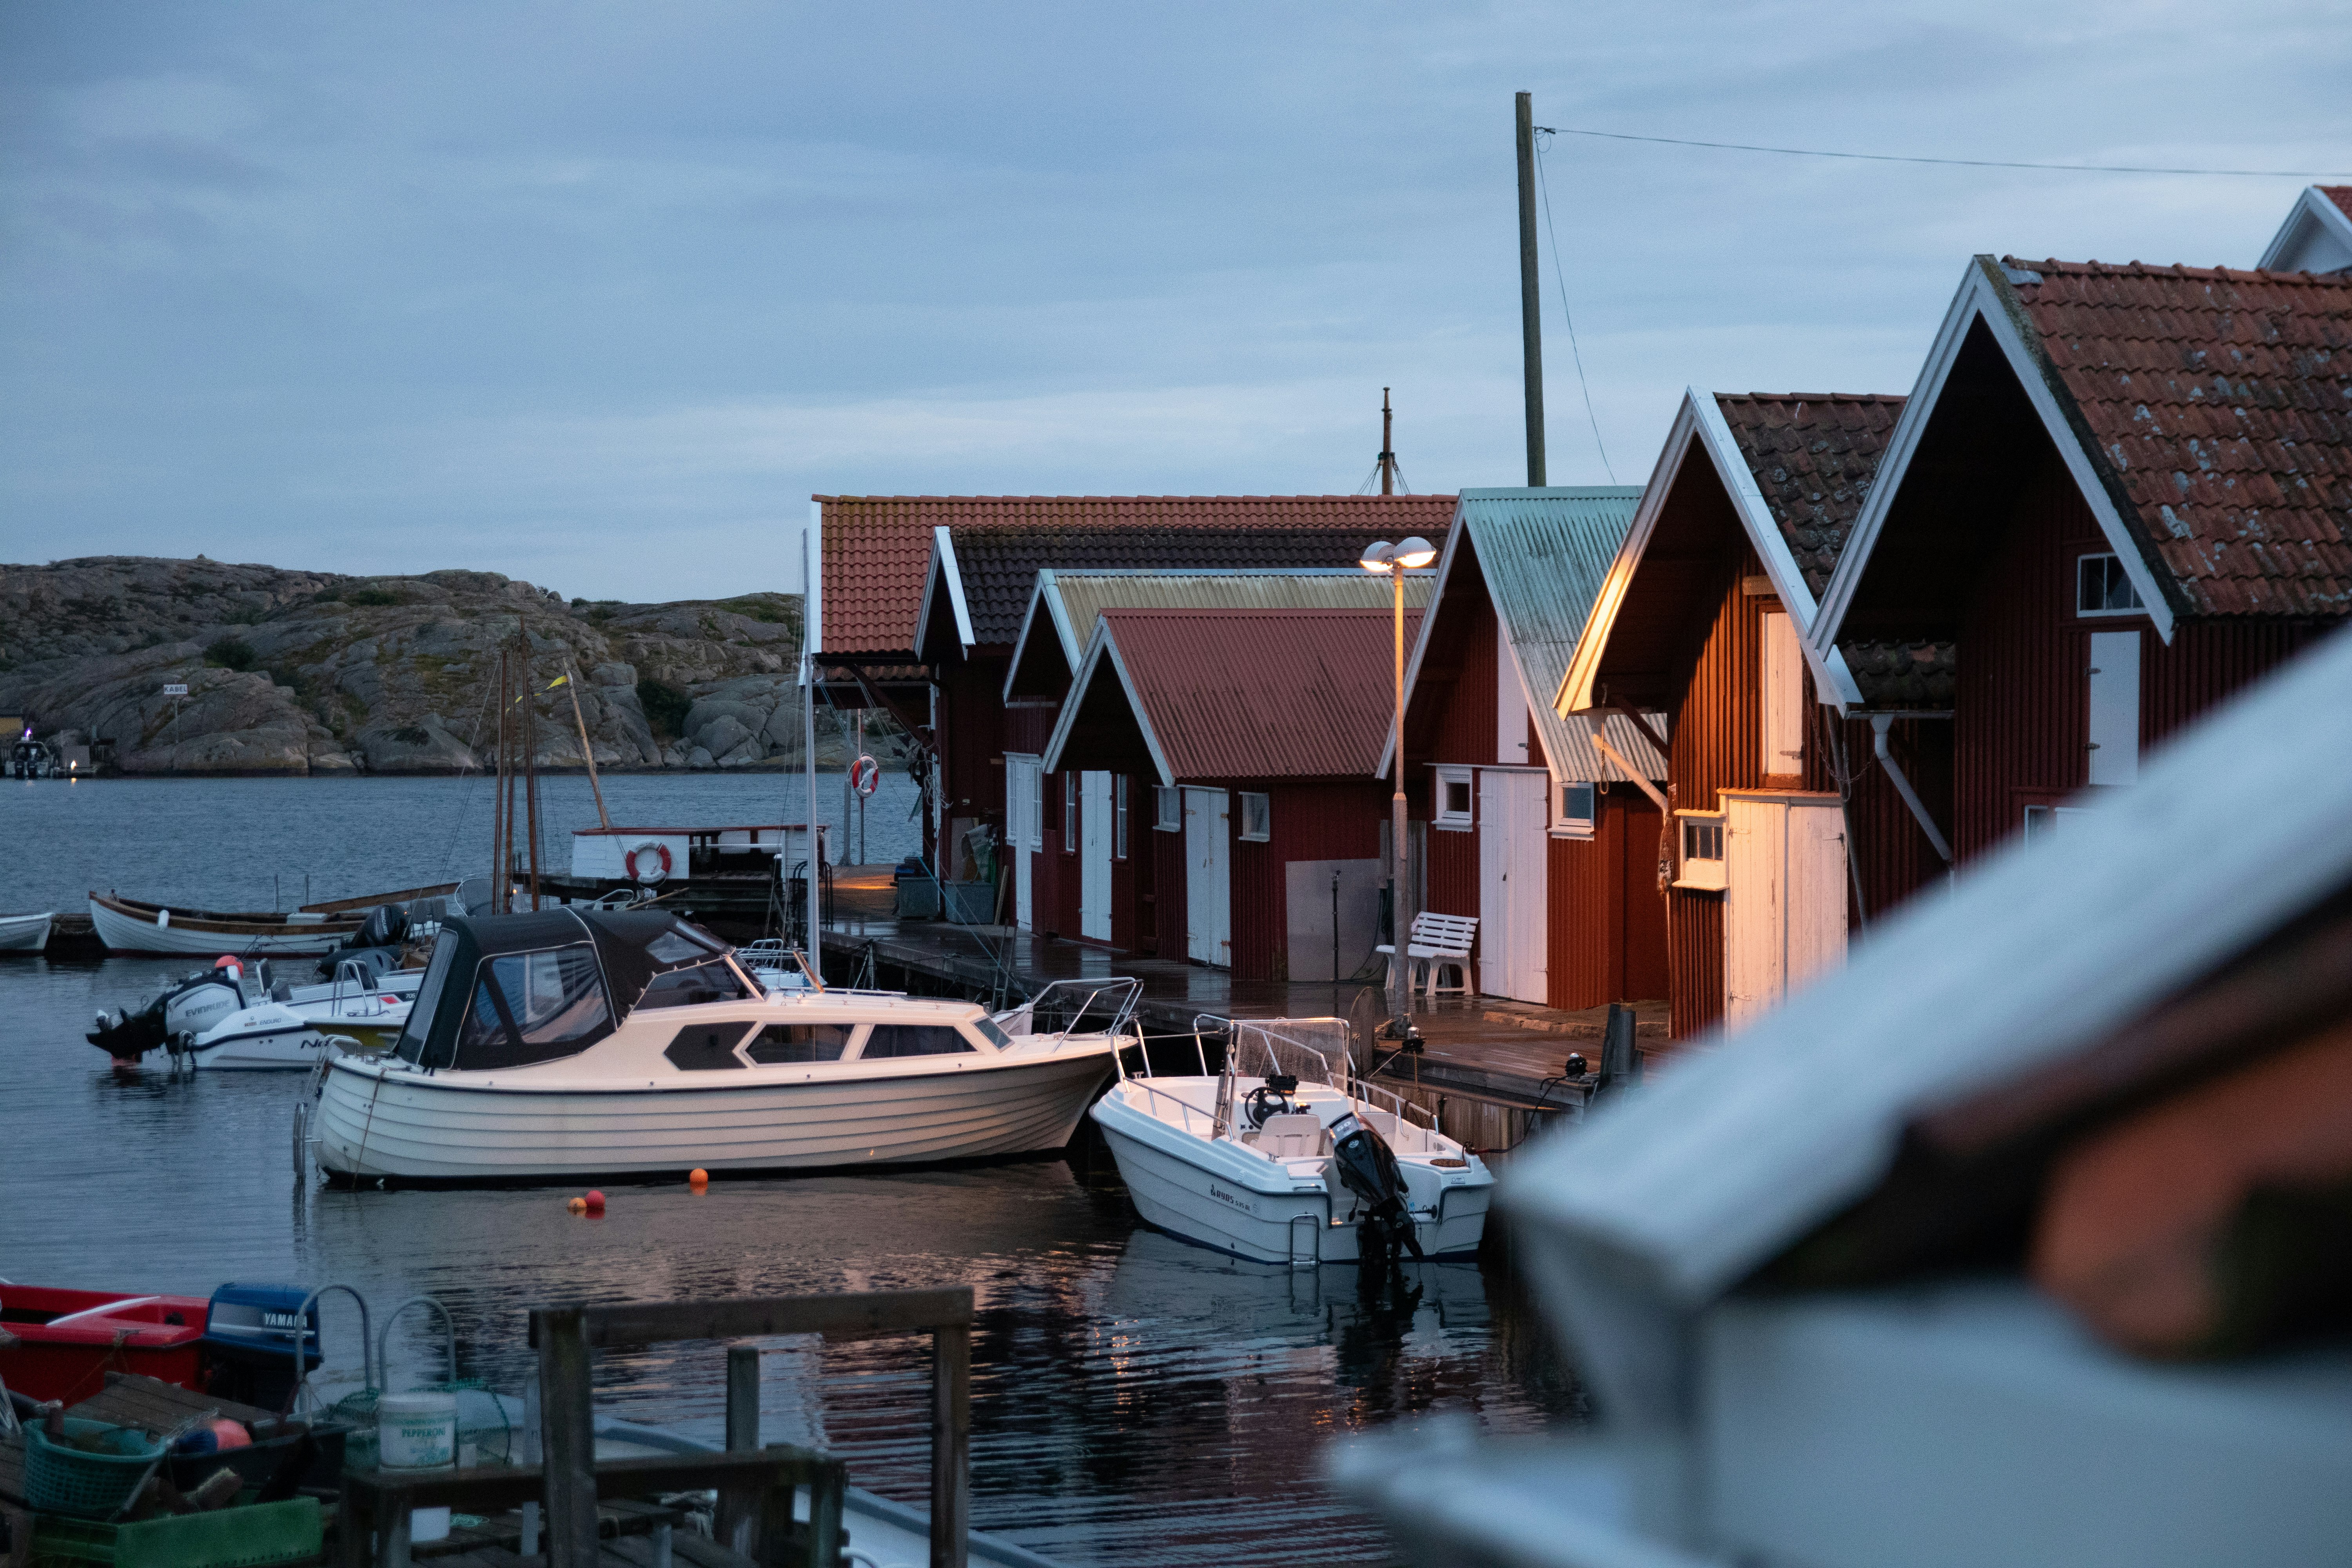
1701	873
1069	811
1256	817
1440	816
1565	822
1119	816
2081	562
2049	823
1168	808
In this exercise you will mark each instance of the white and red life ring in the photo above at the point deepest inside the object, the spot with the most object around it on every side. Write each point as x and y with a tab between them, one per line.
648	863
866	775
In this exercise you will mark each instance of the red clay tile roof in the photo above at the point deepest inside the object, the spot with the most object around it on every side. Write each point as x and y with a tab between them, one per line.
1813	456
2340	195
1001	564
2220	404
878	548
1251	694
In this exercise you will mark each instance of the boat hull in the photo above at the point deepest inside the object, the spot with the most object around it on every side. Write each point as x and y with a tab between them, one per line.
374	1122
24	933
1252	1207
124	928
60	1344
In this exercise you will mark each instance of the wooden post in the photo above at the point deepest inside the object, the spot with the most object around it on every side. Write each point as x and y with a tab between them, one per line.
1530	294
567	1436
737	1508
950	1444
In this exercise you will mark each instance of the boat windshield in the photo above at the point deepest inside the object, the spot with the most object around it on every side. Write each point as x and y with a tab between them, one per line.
414	1034
714	982
532	1007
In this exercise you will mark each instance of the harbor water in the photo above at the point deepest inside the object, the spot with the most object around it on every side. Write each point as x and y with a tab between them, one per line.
1136	1400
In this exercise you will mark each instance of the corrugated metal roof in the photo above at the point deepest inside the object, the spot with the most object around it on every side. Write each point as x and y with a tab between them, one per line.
878	549
1544	554
1250	694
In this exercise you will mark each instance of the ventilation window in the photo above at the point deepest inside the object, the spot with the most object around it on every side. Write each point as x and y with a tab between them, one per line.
707	1048
1701	851
799	1043
1453	797
1576	810
1168	808
1257	818
2102	587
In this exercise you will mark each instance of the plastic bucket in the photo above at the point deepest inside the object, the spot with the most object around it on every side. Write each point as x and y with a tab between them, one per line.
416	1431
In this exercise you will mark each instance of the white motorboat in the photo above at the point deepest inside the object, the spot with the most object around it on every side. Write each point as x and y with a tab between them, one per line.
1300	1164
25	933
239	1015
581	1042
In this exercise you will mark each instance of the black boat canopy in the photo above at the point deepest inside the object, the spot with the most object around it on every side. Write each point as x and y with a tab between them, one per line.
506	991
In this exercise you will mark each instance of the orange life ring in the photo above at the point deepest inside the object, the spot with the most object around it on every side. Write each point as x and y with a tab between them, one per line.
649	874
866	775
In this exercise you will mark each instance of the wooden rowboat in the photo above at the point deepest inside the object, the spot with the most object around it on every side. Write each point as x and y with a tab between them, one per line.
132	925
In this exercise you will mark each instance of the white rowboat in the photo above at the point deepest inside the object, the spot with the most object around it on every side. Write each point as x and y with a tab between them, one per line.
25	933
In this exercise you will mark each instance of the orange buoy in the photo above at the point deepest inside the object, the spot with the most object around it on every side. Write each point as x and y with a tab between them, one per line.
697	1178
595	1201
578	1206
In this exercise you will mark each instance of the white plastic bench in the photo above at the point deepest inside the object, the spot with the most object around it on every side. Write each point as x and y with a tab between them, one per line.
1437	943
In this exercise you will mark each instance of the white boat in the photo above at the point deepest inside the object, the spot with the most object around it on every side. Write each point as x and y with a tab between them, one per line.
236	1015
1300	1164
25	933
581	1042
133	925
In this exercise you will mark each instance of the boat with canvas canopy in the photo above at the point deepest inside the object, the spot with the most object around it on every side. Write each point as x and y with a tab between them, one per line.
1287	1156
579	1042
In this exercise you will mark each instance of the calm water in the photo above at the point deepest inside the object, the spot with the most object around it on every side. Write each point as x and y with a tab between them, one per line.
1134	1400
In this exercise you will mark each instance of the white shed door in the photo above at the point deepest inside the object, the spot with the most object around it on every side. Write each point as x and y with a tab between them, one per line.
1512	830
1022	784
2115	707
1784	696
1093	854
1208	897
1784	917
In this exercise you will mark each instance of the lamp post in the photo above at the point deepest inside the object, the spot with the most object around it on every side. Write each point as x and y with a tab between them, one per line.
1395	560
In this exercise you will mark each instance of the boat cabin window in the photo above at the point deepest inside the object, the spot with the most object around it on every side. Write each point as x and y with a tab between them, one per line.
714	982
675	946
414	1034
914	1040
992	1032
799	1043
532	1007
706	1047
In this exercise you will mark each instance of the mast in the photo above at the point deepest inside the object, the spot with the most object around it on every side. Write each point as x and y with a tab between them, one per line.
1388	445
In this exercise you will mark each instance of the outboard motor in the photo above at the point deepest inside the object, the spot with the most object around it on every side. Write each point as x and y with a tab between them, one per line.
189	1008
250	1343
1368	1168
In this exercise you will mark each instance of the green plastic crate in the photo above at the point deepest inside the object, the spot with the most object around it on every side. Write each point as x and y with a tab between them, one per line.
254	1537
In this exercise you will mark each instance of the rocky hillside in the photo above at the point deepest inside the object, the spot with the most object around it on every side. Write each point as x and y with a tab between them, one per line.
295	673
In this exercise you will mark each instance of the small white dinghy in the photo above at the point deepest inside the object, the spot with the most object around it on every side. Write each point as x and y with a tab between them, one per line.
584	1042
25	933
1287	1157
237	1016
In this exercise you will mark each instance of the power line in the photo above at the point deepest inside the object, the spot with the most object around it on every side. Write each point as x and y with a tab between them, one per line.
1951	162
1576	353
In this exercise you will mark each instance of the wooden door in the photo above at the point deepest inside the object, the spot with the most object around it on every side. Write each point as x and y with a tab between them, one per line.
1514	821
1094	856
1784	918
1023	810
1208	896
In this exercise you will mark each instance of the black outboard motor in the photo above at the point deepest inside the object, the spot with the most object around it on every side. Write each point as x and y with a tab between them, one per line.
382	930
189	1008
1368	1168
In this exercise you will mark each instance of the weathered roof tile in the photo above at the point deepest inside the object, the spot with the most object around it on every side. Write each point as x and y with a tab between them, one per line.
1813	457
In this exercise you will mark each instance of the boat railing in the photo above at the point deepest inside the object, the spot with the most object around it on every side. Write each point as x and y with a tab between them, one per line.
1186	1107
1073	1000
1279	1044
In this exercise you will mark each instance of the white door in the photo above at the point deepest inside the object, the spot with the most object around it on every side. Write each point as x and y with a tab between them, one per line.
1784	917
1512	829
1784	696
1208	897
1094	856
2115	707
1022	780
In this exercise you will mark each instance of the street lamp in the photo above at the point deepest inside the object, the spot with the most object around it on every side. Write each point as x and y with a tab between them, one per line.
1395	560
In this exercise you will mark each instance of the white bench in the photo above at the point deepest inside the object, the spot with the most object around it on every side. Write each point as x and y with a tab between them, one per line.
1437	943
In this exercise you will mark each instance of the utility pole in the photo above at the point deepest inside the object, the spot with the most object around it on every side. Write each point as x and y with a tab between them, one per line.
1387	445
1530	296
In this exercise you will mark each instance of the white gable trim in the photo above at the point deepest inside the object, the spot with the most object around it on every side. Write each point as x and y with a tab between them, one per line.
1980	298
943	569
2312	223
1575	694
1099	647
1453	533
1042	592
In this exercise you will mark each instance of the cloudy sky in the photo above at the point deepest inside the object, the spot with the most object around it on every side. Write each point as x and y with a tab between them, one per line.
598	294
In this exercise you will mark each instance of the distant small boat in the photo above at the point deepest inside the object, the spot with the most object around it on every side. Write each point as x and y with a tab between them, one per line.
25	933
132	925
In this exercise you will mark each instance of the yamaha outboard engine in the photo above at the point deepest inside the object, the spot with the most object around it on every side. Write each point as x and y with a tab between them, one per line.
188	1007
1368	1168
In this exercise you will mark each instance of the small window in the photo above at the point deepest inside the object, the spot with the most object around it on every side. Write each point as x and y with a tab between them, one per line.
1070	813
675	946
1453	797
1257	818
2047	823
707	1048
1168	808
992	1032
1701	851
799	1043
914	1040
1576	810
2102	587
692	986
1118	818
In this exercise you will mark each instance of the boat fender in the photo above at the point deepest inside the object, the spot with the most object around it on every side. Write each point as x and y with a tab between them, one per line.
1368	1167
648	863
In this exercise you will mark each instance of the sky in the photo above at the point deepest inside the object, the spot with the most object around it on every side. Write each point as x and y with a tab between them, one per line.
599	294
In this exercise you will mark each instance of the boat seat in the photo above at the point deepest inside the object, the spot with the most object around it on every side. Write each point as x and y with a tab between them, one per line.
1295	1136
